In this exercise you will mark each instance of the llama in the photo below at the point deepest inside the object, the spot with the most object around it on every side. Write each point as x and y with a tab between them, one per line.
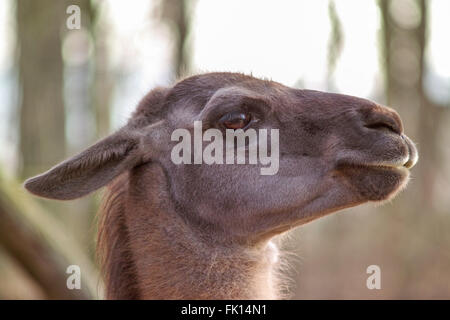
204	231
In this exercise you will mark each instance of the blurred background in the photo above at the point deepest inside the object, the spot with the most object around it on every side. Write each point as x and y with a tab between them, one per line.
62	89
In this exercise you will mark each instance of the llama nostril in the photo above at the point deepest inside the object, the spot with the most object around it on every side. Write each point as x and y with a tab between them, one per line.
382	126
384	119
413	154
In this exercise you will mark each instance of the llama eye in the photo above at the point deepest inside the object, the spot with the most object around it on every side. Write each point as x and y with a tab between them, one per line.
235	120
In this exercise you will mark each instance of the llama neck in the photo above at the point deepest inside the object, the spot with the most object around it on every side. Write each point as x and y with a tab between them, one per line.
171	261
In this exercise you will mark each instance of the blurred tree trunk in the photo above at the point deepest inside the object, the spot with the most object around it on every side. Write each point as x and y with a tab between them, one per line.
177	14
42	117
51	89
403	51
87	98
431	117
404	44
103	78
334	43
15	281
38	243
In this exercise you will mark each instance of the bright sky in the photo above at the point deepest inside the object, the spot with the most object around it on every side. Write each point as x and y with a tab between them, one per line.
282	40
439	41
287	41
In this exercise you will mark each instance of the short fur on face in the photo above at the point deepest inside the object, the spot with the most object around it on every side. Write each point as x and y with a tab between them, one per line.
336	151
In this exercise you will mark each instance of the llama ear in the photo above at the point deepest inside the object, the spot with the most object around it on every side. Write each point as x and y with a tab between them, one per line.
91	169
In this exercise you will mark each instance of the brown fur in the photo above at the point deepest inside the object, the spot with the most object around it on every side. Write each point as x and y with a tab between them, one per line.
172	231
166	249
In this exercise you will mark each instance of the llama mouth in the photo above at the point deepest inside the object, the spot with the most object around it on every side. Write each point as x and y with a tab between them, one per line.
398	169
375	182
377	166
403	165
406	162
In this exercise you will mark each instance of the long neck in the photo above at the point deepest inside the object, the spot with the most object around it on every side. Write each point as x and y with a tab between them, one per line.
167	259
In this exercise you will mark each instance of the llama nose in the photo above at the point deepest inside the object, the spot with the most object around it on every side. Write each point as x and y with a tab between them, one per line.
413	154
384	118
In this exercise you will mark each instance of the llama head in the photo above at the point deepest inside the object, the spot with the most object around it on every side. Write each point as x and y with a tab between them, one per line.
334	151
